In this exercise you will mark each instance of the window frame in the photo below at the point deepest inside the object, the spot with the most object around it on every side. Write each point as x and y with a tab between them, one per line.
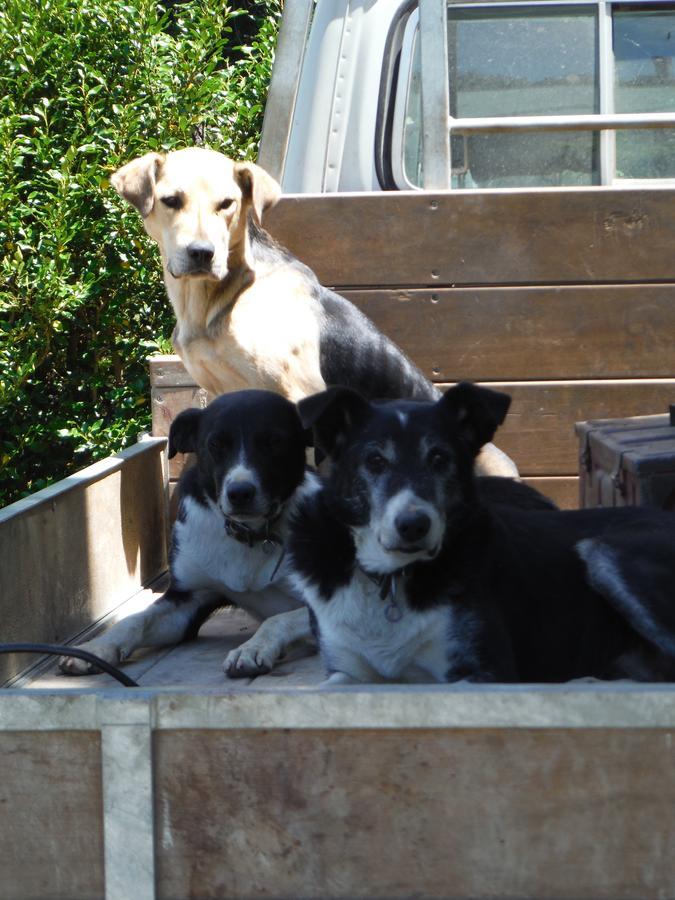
606	122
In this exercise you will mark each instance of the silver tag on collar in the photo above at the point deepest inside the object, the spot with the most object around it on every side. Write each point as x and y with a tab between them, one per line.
268	546
393	612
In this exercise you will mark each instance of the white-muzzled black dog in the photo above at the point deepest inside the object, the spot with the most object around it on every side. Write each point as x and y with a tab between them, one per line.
228	542
416	570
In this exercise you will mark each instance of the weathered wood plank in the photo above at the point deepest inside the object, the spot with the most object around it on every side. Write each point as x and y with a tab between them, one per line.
563	490
169	400
51	816
434	813
539	430
167	370
71	553
579	235
483	334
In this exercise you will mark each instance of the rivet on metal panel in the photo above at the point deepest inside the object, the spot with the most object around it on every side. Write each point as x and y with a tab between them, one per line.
434	273
434	298
433	204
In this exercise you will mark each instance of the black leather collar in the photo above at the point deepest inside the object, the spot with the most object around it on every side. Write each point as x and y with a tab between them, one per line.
269	539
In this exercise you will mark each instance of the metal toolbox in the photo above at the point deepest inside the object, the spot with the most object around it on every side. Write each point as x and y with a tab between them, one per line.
627	462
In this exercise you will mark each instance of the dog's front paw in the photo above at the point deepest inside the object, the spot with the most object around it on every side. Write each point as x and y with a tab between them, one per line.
251	659
339	678
71	665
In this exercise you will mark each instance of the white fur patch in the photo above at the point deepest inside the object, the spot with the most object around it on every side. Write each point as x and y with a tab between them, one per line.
377	542
360	641
604	575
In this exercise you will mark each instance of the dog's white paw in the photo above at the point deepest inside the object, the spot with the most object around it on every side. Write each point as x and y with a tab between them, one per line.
250	659
108	652
339	678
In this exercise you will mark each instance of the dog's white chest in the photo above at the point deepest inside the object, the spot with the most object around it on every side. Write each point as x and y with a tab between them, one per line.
367	636
206	557
268	340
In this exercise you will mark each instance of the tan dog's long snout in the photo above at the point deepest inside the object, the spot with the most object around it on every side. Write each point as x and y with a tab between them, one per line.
195	204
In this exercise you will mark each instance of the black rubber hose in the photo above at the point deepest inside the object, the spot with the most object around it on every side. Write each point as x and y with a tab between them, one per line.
59	650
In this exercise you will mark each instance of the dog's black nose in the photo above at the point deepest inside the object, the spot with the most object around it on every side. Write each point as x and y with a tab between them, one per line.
240	493
412	525
201	252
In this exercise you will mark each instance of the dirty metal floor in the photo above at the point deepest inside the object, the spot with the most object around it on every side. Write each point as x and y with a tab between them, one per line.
197	663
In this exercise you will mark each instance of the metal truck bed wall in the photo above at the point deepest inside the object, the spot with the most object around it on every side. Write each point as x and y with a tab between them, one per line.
73	552
382	792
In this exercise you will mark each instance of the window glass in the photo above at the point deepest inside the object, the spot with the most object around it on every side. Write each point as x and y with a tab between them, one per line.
522	63
515	63
644	81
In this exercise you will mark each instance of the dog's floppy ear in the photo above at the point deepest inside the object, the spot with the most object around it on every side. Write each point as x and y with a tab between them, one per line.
257	187
183	432
136	181
476	411
331	415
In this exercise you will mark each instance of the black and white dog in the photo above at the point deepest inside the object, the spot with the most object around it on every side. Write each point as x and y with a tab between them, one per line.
416	570
228	543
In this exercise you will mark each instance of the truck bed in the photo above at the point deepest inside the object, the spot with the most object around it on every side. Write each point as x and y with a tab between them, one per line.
195	664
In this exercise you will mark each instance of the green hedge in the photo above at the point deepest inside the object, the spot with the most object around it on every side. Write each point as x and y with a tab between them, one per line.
85	86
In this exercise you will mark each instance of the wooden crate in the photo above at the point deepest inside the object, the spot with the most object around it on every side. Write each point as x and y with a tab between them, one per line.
627	462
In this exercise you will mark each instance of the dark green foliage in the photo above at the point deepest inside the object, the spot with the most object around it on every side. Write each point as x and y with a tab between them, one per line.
85	86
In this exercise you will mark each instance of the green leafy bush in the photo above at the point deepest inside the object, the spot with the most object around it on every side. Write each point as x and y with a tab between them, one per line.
85	86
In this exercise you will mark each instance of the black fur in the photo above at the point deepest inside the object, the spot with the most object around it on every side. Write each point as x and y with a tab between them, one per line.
260	424
352	351
533	594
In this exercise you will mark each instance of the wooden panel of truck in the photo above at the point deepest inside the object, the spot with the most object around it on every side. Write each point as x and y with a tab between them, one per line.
51	816
72	552
166	403
499	334
481	813
575	236
539	429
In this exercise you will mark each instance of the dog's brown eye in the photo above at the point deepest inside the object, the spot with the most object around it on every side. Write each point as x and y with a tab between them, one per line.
226	204
437	459
173	201
376	463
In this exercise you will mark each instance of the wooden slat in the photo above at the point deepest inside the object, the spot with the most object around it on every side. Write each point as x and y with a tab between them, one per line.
51	816
539	430
483	334
481	813
577	235
168	371
563	490
167	402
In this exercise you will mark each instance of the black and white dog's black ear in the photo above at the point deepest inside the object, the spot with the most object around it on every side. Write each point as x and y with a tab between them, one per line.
183	432
476	411
331	414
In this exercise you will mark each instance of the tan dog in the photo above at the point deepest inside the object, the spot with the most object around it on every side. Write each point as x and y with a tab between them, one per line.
248	313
